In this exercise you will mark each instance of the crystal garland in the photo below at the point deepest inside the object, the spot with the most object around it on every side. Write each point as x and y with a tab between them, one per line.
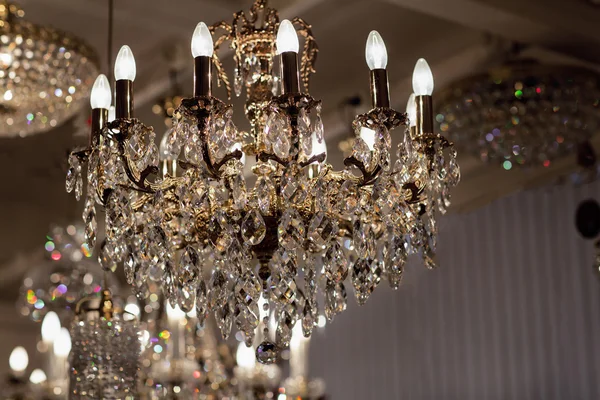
308	226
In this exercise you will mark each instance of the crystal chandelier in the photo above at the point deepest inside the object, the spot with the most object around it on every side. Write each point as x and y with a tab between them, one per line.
105	353
45	74
66	276
301	222
522	113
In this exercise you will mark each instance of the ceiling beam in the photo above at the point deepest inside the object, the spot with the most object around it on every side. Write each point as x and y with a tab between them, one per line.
566	27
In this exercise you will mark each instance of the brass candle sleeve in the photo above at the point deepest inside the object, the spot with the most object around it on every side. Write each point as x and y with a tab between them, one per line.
124	99
289	72
380	92
202	76
99	119
424	114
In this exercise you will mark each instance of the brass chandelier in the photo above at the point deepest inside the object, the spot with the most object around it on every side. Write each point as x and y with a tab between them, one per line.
219	244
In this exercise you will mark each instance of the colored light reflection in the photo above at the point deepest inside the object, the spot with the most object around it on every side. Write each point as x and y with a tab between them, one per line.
164	334
49	246
85	249
56	255
31	297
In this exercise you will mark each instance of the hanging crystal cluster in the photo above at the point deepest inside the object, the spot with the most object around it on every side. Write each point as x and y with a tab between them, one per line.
45	74
104	356
218	243
522	114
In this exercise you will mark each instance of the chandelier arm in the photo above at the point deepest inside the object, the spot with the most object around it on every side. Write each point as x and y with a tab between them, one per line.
309	52
226	36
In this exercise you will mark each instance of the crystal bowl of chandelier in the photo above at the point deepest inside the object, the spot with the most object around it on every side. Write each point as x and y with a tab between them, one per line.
301	233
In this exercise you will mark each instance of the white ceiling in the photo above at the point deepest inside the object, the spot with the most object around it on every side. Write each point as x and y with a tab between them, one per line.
451	34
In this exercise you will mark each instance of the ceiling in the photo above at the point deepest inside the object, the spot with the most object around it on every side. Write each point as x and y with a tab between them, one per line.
454	36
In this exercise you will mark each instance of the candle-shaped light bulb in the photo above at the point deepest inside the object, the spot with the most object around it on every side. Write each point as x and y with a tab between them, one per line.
238	146
202	42
62	345
111	114
37	376
287	38
125	65
368	135
375	51
18	360
245	358
101	96
50	327
422	79
318	148
411	110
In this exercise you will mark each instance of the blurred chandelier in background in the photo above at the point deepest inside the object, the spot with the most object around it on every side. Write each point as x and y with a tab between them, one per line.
65	277
522	113
45	74
302	220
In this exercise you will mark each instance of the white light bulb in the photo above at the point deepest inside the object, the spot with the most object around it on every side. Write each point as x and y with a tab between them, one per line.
101	96
133	311
318	148
18	359
238	146
375	51
175	314
287	38
422	79
411	110
368	135
244	356
50	327
37	376
112	115
62	345
125	65
202	42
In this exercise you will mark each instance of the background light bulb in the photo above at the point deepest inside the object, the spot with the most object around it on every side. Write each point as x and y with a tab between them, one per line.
62	345
422	79
287	38
37	376
375	51
244	356
50	327
101	96
125	65
202	42
112	115
368	135
411	110
18	359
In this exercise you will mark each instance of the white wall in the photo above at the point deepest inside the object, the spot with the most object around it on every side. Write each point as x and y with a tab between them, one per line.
513	313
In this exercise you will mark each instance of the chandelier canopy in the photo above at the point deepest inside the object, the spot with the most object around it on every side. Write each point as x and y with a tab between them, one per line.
296	234
45	74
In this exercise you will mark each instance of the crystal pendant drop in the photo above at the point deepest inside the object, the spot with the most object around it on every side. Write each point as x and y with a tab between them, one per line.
253	228
224	317
89	220
305	133
237	82
201	302
366	274
267	353
264	193
361	152
291	230
277	135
